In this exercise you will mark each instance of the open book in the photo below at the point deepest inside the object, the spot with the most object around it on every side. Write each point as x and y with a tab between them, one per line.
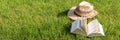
93	28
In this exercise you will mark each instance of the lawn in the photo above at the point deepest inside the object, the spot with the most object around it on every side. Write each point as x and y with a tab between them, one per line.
48	20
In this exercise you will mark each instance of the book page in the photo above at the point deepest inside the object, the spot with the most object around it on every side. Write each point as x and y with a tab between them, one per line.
93	27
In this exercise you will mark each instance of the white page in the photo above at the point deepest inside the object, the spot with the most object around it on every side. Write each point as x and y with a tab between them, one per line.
77	27
95	28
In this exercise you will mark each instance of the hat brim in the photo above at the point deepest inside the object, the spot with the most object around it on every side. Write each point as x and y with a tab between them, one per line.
73	16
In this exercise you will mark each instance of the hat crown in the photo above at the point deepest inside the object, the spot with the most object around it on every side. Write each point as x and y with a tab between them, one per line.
85	7
84	3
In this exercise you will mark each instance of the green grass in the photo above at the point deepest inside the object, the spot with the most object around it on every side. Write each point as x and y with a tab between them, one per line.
47	19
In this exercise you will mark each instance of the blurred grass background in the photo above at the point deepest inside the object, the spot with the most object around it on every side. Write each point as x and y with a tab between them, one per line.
47	19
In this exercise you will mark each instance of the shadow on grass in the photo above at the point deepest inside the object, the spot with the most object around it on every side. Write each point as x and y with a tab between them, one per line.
67	28
64	13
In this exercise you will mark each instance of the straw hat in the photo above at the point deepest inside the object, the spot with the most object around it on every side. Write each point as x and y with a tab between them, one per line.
84	9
